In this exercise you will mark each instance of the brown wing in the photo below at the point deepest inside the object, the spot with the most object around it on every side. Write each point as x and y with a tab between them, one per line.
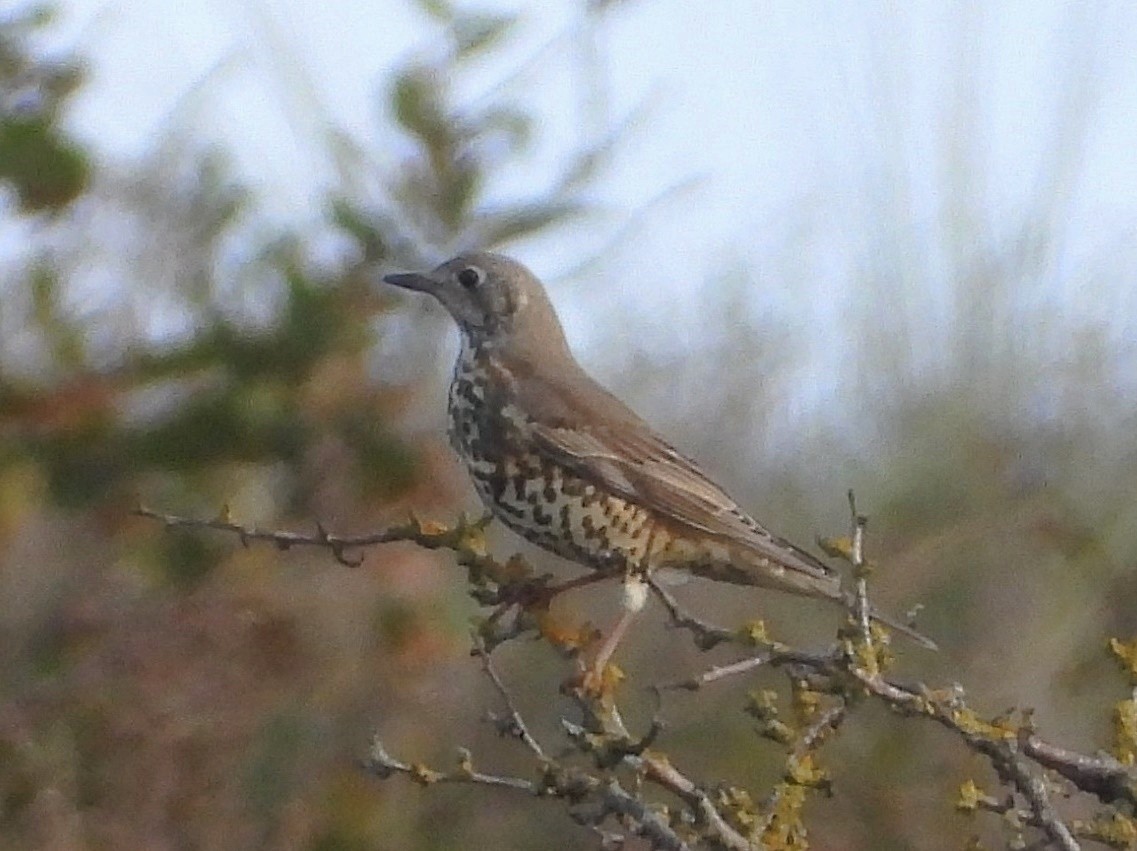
597	437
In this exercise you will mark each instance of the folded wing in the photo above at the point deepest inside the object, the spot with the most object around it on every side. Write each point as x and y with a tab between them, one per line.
593	434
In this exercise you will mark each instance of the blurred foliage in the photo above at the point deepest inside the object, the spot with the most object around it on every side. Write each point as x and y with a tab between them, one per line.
46	169
161	342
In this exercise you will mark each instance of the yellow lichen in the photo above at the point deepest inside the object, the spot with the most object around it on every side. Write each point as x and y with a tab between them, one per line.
837	547
737	805
806	702
1112	829
785	830
803	771
562	633
423	775
762	705
1121	830
473	540
431	528
1125	731
1127	655
969	797
755	632
999	729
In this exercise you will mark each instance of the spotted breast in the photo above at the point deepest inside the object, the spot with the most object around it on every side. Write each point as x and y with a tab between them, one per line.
532	494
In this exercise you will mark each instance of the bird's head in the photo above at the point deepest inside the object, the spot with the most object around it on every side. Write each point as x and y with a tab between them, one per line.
491	297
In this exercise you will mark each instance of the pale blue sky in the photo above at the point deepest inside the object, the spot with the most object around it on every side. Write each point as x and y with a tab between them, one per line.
818	136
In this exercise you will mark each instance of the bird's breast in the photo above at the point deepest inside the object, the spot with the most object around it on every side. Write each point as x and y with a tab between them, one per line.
539	498
576	519
466	404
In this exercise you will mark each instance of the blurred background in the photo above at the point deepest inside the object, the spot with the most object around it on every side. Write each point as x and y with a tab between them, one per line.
820	245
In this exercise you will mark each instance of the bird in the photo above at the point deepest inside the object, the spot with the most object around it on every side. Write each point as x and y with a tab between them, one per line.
567	465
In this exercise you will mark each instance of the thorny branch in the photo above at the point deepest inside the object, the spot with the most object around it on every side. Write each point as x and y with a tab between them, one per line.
459	538
854	666
1006	746
576	786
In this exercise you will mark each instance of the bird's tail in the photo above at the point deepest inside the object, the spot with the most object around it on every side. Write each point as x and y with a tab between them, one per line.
802	575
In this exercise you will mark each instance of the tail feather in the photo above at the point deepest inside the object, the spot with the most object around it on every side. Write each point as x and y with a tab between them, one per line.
799	577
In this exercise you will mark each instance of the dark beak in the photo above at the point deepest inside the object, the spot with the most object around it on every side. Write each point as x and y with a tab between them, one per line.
419	281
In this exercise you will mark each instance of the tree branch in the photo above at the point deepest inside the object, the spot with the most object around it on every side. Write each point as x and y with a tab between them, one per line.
846	668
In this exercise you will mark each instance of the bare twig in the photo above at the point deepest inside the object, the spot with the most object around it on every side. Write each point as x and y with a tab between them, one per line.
383	765
572	785
515	724
661	772
1103	776
861	607
826	722
458	538
706	635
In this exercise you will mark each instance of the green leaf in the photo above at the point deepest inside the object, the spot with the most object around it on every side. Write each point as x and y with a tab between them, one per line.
47	171
474	33
437	9
525	219
362	228
417	99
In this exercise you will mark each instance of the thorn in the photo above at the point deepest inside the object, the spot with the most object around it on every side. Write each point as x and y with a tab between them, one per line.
339	555
913	613
465	762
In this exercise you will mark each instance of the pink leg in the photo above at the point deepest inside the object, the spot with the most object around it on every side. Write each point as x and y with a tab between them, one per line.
635	596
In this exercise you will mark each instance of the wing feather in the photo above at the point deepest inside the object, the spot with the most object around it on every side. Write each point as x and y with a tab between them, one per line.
596	436
642	468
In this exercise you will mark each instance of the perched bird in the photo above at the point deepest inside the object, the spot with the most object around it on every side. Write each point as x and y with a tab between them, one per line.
570	467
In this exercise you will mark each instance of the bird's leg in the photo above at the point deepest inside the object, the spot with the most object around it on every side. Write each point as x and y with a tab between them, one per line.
579	582
635	596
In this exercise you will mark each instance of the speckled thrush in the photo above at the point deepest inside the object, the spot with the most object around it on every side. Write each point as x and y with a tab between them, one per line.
570	467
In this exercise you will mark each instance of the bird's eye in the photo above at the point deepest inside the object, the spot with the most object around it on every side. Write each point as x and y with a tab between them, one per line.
470	277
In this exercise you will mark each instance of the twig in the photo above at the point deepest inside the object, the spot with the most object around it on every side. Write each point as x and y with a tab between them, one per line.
825	723
861	607
456	538
383	765
707	635
660	771
951	712
515	723
570	784
649	824
1103	776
